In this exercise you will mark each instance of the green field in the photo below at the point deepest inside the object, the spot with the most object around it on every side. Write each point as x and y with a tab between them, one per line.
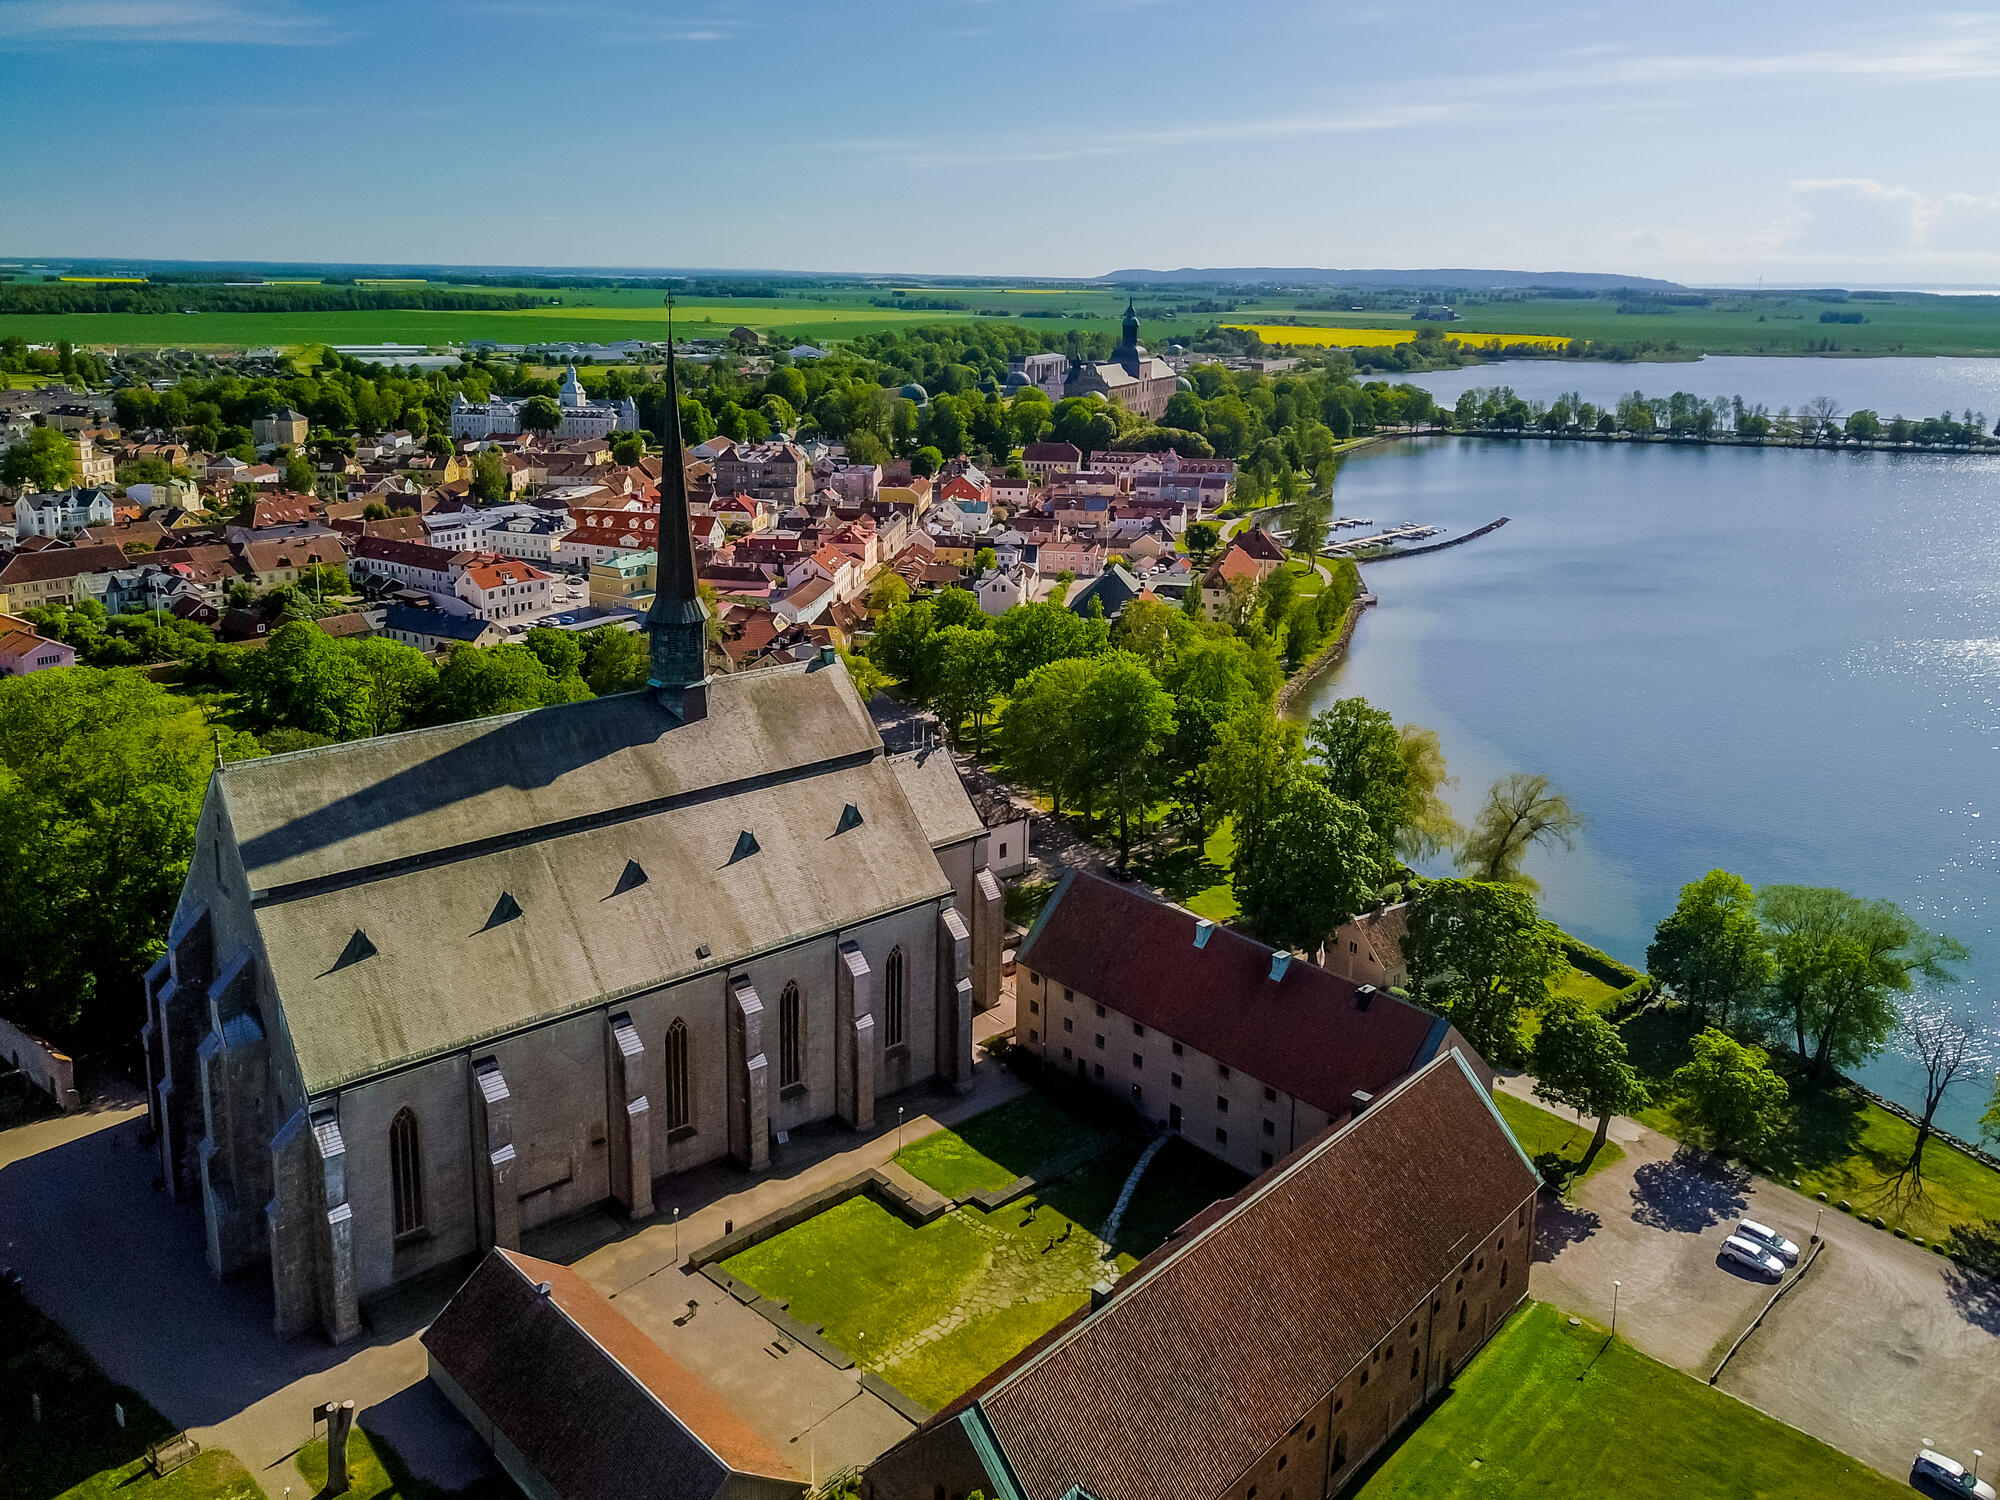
1554	1140
936	1309
1560	1413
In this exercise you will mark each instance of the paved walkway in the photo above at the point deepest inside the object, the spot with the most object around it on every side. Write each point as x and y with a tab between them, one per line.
103	1251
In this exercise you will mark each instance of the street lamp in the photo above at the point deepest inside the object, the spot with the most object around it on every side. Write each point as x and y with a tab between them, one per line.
899	1130
677	1236
1614	1306
1816	1218
1977	1454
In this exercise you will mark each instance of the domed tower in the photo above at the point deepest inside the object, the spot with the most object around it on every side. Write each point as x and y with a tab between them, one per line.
571	394
1131	339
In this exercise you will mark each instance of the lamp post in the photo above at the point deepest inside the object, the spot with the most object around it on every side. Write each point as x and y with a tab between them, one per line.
1614	1307
677	1236
1977	1454
1816	1218
899	1130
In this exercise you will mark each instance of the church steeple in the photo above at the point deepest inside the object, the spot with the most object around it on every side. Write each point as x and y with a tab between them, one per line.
677	622
1131	340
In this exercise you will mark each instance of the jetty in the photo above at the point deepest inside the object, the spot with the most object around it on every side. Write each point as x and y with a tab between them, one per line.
1457	541
1408	532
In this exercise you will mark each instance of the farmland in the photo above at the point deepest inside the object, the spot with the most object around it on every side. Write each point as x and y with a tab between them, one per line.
1378	338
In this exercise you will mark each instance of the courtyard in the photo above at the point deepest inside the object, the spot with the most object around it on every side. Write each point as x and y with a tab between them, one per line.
933	1310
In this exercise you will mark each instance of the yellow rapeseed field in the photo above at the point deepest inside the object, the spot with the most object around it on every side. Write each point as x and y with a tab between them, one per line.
1376	338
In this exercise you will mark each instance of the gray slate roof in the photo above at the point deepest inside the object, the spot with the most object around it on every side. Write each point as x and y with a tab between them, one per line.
414	838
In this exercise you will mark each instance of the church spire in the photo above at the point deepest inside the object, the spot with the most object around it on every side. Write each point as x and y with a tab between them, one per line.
677	622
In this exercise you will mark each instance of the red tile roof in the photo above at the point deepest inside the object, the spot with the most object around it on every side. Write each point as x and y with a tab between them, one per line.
61	562
492	571
589	1401
1304	1033
1209	1351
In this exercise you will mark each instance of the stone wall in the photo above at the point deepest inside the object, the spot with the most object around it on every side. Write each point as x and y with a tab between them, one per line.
49	1070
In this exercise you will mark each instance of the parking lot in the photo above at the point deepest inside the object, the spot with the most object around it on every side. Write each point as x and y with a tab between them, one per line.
1880	1346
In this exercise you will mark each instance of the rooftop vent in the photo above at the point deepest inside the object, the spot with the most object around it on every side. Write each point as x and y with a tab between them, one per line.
850	817
543	1288
1202	929
746	845
1100	1294
633	877
1280	961
1362	1099
701	951
358	947
506	909
1364	997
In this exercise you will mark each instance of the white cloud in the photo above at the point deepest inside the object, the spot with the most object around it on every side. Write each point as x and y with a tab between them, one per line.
158	21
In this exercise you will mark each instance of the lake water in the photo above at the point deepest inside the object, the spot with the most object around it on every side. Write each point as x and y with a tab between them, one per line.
1781	662
1888	387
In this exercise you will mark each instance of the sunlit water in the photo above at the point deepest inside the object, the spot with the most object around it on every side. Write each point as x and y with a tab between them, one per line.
1784	663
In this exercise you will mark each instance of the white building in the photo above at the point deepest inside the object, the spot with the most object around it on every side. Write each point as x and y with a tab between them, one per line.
502	588
581	417
61	513
526	531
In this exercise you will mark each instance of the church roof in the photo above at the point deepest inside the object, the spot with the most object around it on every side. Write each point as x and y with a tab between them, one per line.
414	838
930	781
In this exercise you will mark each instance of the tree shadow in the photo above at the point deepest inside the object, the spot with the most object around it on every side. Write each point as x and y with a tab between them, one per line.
1974	1297
1558	1225
1687	1193
1177	871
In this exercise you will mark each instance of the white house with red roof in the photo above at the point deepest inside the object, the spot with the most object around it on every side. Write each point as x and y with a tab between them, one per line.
499	588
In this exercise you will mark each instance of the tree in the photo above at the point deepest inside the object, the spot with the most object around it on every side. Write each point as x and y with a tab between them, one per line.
1360	757
42	462
559	651
926	461
1201	538
540	414
1839	962
968	675
1428	826
1710	950
477	683
1481	952
1316	866
1521	811
614	660
1580	1062
1038	729
1209	678
490	483
303	680
956	606
1730	1094
628	447
1948	1050
102	776
300	475
898	646
1033	635
1123	719
1310	515
1256	758
885	592
399	681
1146	628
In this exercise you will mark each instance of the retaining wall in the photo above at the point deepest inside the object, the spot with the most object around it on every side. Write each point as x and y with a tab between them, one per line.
49	1070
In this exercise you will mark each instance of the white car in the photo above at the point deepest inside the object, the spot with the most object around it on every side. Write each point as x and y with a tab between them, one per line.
1935	1474
1770	1239
1752	1256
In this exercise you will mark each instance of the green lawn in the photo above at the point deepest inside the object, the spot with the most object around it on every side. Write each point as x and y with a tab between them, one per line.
936	1309
78	1451
1551	1138
1560	1413
1216	899
1836	1142
375	1469
1016	1140
1573	984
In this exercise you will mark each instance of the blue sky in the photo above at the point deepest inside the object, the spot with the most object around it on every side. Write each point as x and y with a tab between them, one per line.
1703	142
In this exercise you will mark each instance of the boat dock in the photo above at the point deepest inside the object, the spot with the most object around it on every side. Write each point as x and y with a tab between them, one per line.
1408	532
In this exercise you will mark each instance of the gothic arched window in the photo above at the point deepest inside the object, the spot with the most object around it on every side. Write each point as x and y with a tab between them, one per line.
791	1036
406	1174
679	1106
892	999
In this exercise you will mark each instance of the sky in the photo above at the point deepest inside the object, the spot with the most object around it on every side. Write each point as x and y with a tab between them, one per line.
1703	142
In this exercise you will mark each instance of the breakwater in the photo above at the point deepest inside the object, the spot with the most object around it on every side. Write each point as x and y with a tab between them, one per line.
1457	541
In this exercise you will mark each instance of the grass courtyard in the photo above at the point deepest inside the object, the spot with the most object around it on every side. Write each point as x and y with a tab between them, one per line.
934	1310
1562	1413
78	1451
1554	1140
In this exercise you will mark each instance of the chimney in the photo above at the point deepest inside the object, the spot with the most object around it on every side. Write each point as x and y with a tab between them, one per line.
1364	997
1202	929
1280	961
1100	1294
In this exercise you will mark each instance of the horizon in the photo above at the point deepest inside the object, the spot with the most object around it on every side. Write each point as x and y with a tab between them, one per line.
298	133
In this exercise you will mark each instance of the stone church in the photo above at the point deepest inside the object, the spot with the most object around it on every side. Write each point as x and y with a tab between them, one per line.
426	992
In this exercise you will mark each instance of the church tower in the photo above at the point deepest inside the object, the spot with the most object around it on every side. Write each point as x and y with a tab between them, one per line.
1128	351
677	622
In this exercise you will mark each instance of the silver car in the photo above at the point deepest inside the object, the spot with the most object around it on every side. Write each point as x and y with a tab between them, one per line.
1770	1239
1935	1474
1752	1256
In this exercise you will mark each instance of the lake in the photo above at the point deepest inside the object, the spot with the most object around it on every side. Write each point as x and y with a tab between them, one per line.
1888	387
1782	662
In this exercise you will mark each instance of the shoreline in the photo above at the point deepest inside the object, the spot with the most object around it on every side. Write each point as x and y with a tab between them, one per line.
1690	440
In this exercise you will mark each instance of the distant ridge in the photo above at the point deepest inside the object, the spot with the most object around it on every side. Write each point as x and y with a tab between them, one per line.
1580	281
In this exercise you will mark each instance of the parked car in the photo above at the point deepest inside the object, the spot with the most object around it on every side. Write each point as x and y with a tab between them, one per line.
1935	1474
1752	1256
1770	1239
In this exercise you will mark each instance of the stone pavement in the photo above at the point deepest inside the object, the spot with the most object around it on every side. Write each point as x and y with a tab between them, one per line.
102	1250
